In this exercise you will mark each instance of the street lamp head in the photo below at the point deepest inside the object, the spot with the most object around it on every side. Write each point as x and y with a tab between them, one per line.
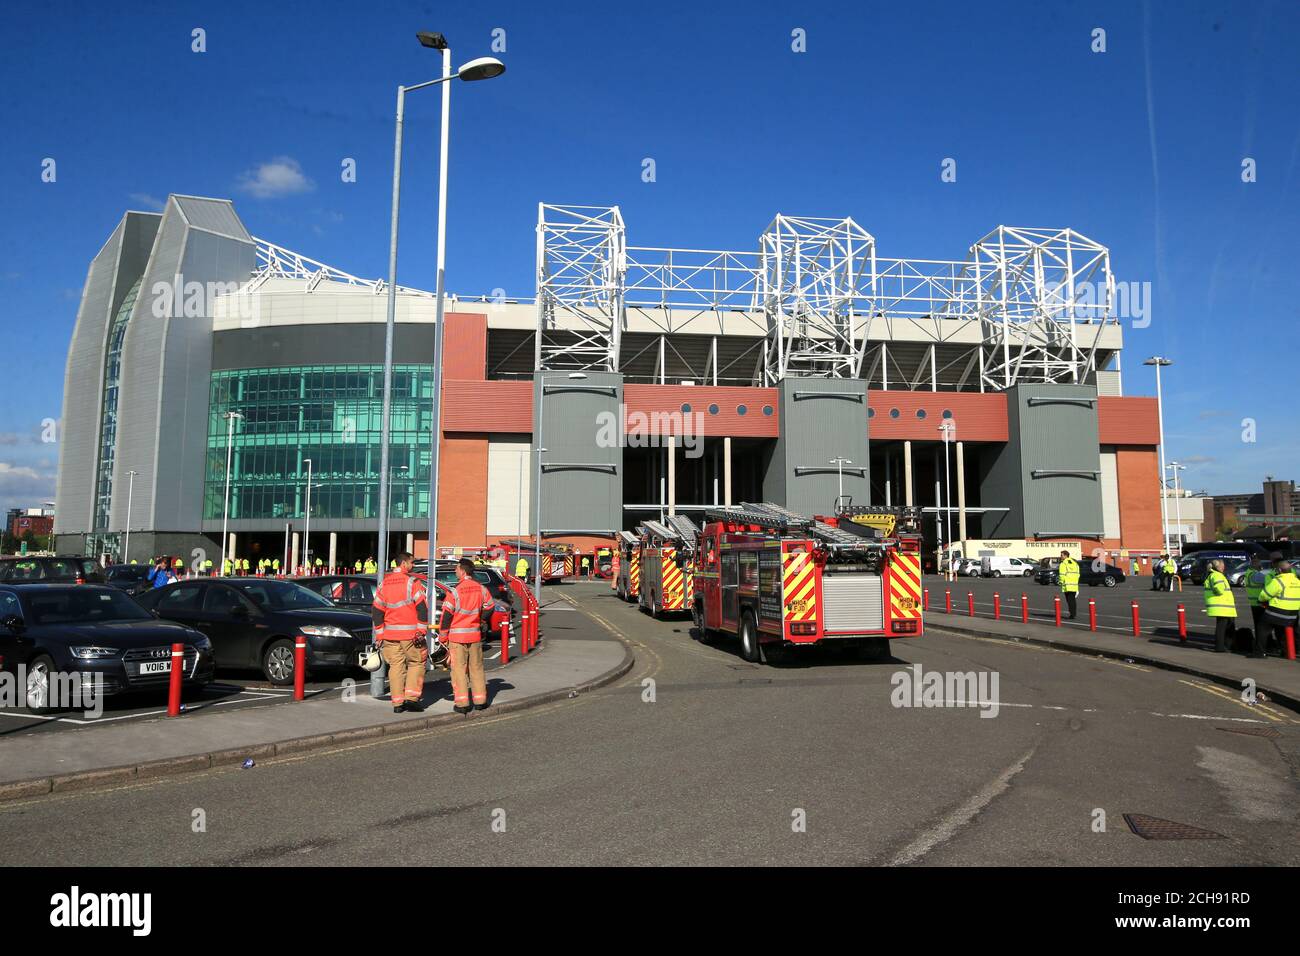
1158	360
433	41
231	415
482	68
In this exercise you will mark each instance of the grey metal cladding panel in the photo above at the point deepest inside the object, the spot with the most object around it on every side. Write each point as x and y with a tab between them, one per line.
138	407
1001	486
187	368
214	215
1059	436
347	344
823	419
75	488
586	499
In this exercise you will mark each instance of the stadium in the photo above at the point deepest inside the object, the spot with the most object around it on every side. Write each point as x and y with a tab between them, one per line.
986	390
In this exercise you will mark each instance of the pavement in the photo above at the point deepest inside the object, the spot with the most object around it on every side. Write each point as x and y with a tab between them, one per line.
696	757
1159	644
114	753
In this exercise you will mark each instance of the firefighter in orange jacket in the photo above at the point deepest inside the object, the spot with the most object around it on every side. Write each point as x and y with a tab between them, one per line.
401	614
464	612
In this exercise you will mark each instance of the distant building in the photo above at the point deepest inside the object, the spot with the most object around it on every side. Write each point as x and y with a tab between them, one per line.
30	521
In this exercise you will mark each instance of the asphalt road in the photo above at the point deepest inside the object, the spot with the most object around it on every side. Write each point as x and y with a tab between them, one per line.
699	758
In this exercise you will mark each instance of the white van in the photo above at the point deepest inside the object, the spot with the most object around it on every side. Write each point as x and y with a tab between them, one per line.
998	567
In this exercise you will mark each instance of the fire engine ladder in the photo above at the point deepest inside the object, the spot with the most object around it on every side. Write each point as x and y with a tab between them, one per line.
765	515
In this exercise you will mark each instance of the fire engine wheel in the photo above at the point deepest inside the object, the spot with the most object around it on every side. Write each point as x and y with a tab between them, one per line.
699	631
750	649
654	606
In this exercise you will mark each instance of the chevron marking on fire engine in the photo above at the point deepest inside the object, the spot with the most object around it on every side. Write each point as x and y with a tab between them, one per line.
671	578
905	585
800	585
634	573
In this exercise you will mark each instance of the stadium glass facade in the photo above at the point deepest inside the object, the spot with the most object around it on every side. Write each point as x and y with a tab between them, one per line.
330	414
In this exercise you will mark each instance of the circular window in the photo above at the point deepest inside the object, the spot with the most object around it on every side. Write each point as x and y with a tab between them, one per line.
713	409
920	413
893	413
767	409
741	409
871	413
947	413
686	408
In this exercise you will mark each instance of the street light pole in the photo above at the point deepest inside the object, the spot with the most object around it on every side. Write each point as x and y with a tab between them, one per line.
1175	467
1160	362
225	510
306	531
946	429
435	436
130	492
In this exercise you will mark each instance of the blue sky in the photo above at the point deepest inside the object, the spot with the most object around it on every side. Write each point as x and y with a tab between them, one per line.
1139	147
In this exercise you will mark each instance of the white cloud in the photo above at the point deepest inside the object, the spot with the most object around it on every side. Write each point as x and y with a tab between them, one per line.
151	203
23	487
282	176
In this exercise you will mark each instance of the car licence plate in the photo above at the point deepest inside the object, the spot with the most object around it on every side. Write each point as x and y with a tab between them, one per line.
155	667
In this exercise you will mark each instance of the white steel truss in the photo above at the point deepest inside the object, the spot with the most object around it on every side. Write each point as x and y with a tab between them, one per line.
277	262
818	276
581	280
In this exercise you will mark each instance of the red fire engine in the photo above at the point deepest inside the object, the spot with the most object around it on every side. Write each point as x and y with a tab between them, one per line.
780	580
557	559
667	564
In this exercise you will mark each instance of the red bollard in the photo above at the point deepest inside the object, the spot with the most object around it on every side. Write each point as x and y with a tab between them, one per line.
1024	609
1057	601
1182	623
174	689
1092	614
925	605
970	604
947	596
1290	643
300	667
1137	622
997	606
505	642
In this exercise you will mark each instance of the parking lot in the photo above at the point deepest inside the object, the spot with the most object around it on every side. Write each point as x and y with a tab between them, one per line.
1158	610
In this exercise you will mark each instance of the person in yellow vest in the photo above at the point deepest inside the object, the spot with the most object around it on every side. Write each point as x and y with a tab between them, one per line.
356	566
586	566
1171	572
244	566
521	568
1220	605
207	567
275	566
319	564
370	566
225	567
1282	595
1067	574
1254	580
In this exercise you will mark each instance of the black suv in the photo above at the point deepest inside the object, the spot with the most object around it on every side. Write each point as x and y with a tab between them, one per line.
253	622
45	569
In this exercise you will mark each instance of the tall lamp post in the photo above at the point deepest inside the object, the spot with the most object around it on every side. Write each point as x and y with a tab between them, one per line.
840	463
306	531
946	429
130	493
230	418
537	505
1160	362
1176	467
483	68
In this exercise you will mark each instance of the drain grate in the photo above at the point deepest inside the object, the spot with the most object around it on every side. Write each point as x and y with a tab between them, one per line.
1268	733
1154	828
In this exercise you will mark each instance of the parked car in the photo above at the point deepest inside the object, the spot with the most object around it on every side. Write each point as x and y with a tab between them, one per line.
57	569
1237	573
1090	573
343	590
1007	567
253	622
128	577
92	630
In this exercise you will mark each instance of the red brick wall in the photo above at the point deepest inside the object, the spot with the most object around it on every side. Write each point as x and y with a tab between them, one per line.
1127	421
464	346
1138	471
980	416
462	502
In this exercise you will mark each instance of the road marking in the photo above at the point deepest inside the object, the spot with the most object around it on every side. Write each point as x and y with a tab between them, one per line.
955	821
1224	694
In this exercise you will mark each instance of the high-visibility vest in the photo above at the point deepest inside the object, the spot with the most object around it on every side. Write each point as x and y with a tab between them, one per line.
1255	580
521	568
1068	574
1219	601
1283	593
397	599
356	565
466	602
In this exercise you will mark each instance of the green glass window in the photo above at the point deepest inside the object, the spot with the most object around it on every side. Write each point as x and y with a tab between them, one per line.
331	415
